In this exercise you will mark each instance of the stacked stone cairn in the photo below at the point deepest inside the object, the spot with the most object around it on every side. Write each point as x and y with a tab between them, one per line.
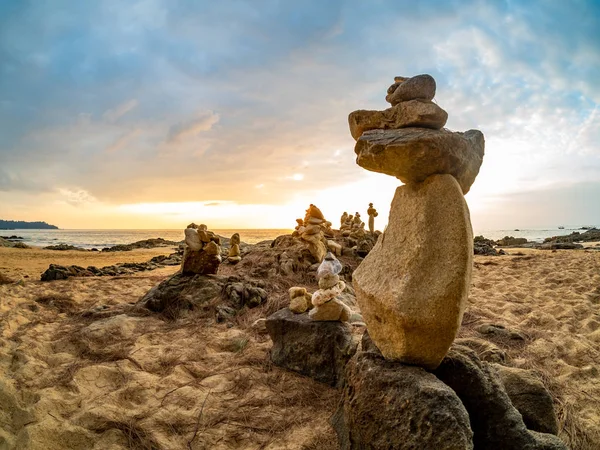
202	252
372	212
351	224
234	256
412	287
312	231
326	306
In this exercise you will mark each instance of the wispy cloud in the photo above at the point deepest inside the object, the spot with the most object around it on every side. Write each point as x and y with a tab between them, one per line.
112	115
193	127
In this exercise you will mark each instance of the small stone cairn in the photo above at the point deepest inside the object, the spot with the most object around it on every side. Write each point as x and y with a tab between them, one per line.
412	286
326	306
234	256
202	252
312	230
372	212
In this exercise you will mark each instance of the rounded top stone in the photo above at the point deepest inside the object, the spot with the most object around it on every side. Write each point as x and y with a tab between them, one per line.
419	87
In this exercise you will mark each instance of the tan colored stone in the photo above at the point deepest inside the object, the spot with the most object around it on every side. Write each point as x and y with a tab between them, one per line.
334	248
330	311
235	239
413	154
412	287
324	295
212	249
414	113
418	87
300	300
234	250
192	239
328	281
203	235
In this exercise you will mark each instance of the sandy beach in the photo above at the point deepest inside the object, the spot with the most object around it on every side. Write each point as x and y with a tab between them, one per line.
138	381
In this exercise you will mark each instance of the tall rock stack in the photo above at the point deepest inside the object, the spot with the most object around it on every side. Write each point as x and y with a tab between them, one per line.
412	287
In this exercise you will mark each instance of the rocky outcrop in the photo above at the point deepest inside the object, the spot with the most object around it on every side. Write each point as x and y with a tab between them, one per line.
508	241
388	405
202	252
411	292
485	247
590	235
495	422
316	349
58	272
64	247
145	243
413	154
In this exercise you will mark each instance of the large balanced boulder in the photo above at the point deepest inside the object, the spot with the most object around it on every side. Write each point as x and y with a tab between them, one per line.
495	422
531	398
388	405
313	348
413	154
412	287
414	113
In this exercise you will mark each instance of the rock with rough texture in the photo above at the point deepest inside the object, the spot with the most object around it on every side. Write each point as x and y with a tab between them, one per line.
389	405
495	422
413	113
413	154
300	300
316	349
200	262
421	87
192	239
331	310
412	287
531	398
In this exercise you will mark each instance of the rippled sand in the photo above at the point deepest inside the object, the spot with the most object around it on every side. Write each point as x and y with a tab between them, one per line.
135	381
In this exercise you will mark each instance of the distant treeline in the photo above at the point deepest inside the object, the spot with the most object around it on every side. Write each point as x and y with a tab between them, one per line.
21	225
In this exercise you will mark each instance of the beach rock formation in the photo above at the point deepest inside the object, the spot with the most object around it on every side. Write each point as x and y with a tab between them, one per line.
413	154
202	254
530	397
412	286
326	306
413	113
372	212
312	232
316	349
386	404
495	422
234	256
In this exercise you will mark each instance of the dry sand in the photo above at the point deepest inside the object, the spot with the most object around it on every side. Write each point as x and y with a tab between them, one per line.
135	381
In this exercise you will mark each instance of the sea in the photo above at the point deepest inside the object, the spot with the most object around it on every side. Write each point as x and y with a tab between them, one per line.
106	238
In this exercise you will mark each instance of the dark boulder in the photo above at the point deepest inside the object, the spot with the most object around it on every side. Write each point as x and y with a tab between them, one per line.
495	422
390	405
58	272
531	398
316	349
560	246
181	293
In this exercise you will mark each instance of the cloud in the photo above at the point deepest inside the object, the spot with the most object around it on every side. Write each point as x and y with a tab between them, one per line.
77	198
280	81
112	115
191	128
123	141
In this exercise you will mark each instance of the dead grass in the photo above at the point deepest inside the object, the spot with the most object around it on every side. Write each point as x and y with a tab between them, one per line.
60	303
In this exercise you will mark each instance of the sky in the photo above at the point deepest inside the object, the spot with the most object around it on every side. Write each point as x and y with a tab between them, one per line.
156	113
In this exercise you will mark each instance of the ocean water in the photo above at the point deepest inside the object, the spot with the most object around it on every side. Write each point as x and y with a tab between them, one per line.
107	238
